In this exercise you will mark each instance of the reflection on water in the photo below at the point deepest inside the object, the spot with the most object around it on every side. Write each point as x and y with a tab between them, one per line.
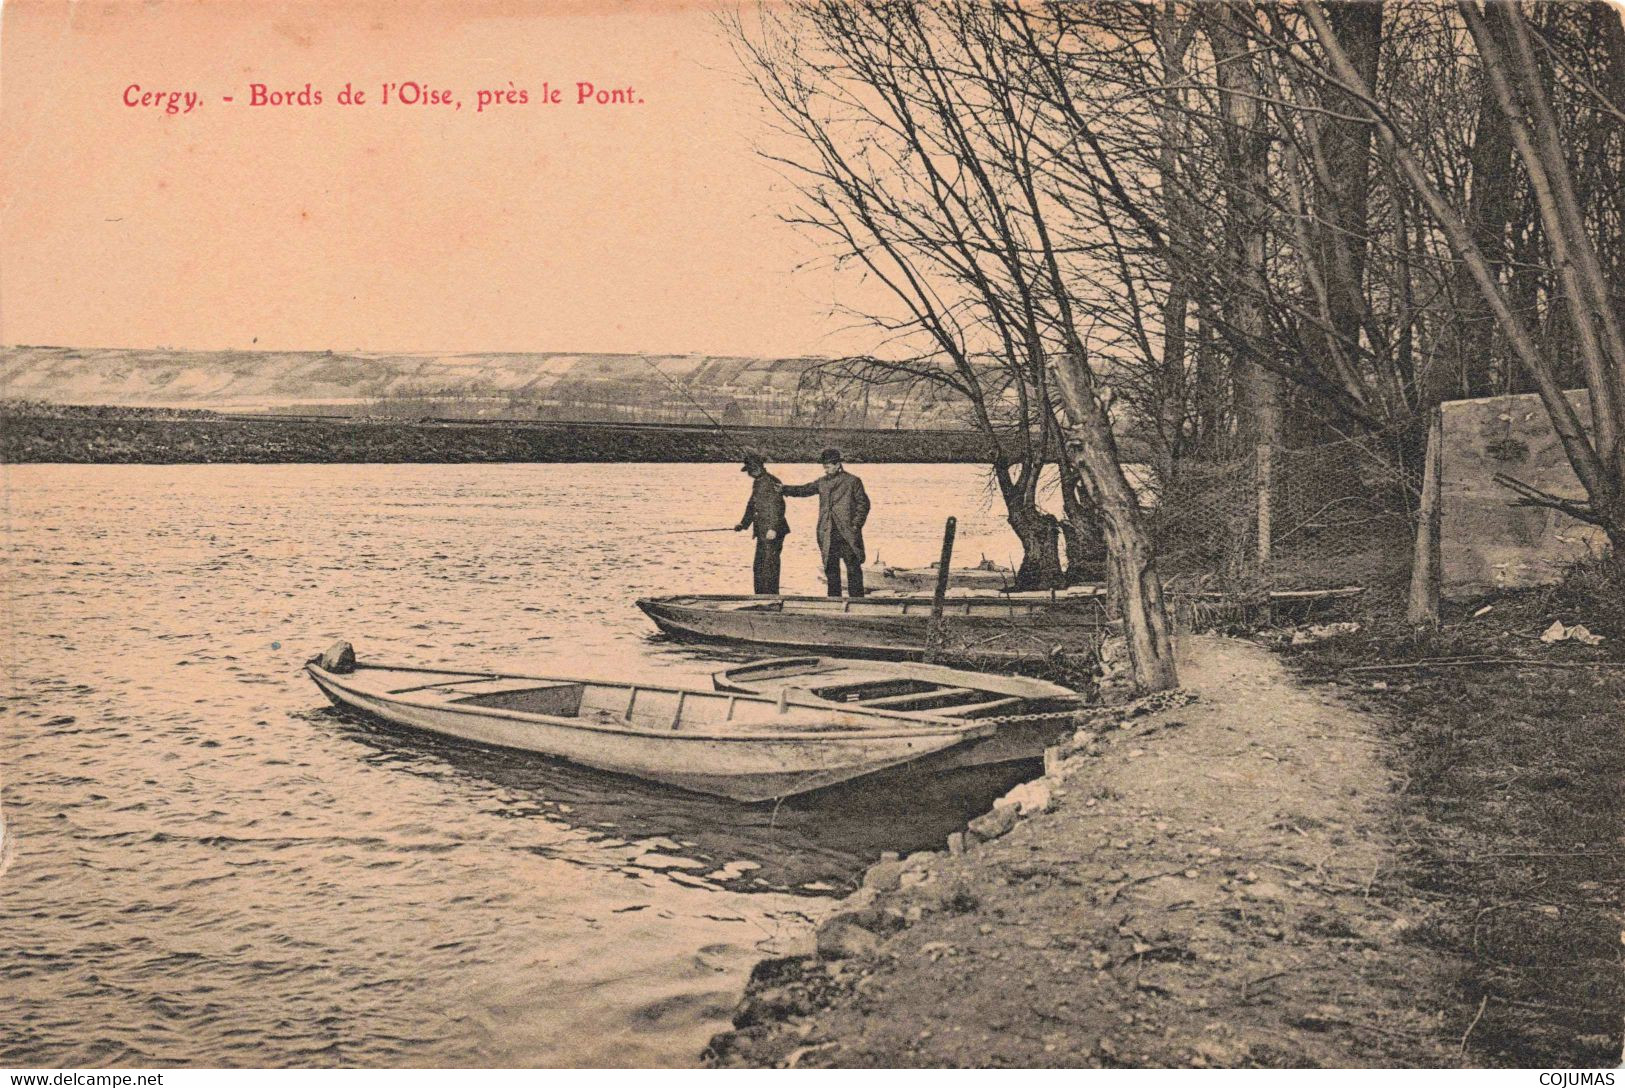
812	843
213	867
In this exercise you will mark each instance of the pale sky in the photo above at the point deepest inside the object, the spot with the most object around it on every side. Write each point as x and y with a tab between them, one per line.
635	228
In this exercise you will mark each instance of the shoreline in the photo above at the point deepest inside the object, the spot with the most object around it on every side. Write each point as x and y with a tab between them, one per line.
179	439
1189	885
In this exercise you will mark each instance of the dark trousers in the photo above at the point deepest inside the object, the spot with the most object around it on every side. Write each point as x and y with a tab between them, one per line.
766	567
841	552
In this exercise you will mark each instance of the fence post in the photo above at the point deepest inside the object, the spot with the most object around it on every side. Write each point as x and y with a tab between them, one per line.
1426	575
1266	486
933	630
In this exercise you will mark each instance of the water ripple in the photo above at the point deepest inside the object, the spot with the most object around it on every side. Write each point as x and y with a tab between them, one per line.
212	868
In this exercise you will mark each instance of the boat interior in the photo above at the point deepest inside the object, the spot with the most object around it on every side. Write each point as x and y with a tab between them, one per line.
885	689
913	696
888	606
626	705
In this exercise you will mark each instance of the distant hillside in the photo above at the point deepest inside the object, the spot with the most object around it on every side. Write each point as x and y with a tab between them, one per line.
543	385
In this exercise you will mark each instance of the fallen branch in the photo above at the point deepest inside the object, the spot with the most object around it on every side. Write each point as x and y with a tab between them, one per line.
793	1059
1484	859
1468	1033
1578	509
1127	884
1469	662
1589	1010
1249	983
1058	1019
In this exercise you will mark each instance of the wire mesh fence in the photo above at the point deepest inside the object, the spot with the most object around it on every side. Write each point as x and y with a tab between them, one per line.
1322	516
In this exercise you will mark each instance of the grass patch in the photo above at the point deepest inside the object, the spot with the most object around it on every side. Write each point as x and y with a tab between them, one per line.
1512	811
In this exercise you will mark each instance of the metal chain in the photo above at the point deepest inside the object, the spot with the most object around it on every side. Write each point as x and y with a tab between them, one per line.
1150	704
1078	715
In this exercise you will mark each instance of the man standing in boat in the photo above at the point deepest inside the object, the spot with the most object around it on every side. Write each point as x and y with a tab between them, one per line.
765	513
843	507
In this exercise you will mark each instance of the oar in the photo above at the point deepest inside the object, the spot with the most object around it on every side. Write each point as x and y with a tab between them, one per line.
679	532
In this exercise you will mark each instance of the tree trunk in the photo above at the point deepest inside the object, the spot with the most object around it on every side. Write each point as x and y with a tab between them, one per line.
1173	38
1597	475
1469	335
1132	582
1510	67
1211	417
1609	29
1512	70
1257	391
1172	396
1343	156
1081	528
1039	533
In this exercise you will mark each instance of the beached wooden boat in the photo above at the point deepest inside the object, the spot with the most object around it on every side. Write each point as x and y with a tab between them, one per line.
1202	608
994	627
1030	714
903	686
743	747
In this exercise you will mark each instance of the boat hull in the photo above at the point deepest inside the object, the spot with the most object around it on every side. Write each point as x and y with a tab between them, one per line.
1043	711
1013	742
995	629
741	768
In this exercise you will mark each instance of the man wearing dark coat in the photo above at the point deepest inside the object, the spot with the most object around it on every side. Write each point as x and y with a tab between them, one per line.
843	507
765	514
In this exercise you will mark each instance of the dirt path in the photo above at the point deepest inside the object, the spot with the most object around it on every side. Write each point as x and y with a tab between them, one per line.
1196	889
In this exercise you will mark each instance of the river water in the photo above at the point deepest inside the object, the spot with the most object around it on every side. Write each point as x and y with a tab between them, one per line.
208	866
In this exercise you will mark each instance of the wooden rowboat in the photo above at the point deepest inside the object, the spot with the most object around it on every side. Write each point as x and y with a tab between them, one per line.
1030	714
996	627
743	747
904	686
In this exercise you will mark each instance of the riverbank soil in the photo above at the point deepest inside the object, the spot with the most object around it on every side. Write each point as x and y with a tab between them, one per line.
1510	798
1212	884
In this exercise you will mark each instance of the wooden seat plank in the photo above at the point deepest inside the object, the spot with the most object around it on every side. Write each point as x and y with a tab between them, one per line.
934	695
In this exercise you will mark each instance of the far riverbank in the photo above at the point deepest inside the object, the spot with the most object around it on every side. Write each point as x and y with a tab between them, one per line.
66	436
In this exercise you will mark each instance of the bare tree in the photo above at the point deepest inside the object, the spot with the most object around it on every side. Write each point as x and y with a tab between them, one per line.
888	171
1507	58
926	144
